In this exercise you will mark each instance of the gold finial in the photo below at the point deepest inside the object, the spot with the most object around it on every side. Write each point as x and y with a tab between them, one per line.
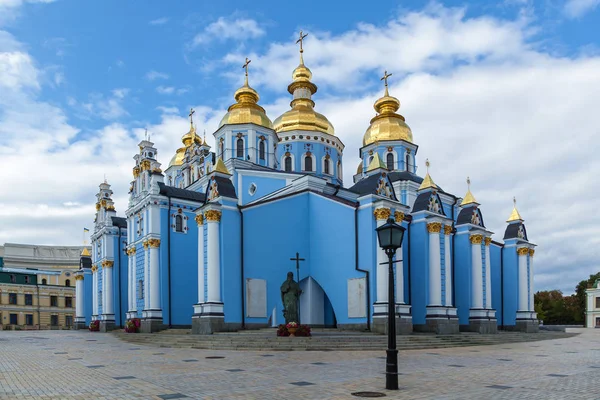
384	79
204	137
245	66
427	181
514	216
301	40
469	198
427	164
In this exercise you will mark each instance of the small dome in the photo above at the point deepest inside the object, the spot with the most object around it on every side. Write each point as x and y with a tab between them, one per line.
387	124
359	169
246	110
187	140
178	157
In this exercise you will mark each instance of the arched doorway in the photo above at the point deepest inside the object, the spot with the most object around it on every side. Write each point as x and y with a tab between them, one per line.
315	308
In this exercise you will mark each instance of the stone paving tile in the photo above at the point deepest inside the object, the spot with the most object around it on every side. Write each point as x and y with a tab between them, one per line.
568	371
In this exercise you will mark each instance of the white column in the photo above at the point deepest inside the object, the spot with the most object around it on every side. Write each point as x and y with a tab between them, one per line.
381	216
523	252
133	281
213	218
531	301
154	244
200	221
79	304
147	276
488	274
435	273
448	264
398	217
476	272
127	251
107	278
95	290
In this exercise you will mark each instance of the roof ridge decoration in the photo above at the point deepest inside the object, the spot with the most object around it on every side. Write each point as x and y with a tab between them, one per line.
514	215
469	198
375	163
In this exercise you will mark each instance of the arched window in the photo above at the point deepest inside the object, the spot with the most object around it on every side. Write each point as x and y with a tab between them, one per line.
178	223
390	161
261	150
407	161
339	168
288	164
68	283
240	147
44	281
308	164
326	167
221	146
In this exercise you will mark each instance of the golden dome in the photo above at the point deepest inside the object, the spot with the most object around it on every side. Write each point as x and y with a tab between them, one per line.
359	169
302	116
246	110
387	124
187	140
469	198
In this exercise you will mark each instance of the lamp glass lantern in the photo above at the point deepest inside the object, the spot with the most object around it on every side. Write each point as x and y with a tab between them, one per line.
390	235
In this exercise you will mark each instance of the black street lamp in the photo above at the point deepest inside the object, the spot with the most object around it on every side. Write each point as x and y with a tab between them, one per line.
390	237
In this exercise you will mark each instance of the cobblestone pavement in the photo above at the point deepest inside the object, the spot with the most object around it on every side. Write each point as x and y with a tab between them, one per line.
78	365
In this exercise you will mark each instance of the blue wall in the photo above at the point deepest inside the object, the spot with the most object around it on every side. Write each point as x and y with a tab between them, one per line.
88	293
264	186
231	263
496	266
419	271
462	276
511	281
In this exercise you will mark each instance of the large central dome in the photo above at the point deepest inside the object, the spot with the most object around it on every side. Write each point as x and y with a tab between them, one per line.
246	110
302	116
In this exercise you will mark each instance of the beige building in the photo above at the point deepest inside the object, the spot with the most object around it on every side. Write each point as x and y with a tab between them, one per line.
592	313
37	286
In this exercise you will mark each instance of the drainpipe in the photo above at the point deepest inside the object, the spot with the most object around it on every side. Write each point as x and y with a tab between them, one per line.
169	260
119	277
409	265
362	270
242	266
453	256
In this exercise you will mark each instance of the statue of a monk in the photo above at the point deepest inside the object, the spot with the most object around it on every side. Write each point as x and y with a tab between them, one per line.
290	292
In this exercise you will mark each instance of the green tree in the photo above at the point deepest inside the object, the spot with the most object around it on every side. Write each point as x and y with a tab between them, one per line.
582	297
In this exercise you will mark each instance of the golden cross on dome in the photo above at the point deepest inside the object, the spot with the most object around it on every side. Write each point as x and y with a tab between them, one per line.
468	183
301	40
427	164
191	115
245	66
515	201
385	81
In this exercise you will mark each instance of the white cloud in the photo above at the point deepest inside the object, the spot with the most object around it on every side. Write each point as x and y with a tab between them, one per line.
100	106
168	110
120	93
17	71
154	75
577	8
159	21
226	28
168	90
9	8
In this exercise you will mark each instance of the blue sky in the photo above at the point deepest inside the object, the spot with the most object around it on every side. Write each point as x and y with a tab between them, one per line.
505	93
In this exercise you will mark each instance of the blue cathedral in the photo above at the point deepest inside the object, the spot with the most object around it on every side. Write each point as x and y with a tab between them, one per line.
207	242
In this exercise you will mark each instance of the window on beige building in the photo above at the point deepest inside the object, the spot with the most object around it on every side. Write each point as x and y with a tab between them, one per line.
28	319
597	302
68	302
12	298
54	320
28	299
68	320
13	319
53	301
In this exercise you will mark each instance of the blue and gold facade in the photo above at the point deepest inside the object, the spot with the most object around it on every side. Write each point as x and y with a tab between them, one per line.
207	242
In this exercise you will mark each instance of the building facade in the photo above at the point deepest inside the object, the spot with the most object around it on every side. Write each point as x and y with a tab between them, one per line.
592	312
208	241
37	286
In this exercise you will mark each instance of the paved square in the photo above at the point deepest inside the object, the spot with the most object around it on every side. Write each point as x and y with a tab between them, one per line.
76	368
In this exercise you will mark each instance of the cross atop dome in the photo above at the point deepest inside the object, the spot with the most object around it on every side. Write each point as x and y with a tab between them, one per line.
384	78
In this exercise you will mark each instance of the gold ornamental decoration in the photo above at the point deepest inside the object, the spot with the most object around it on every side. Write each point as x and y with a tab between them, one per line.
213	215
447	229
136	172
382	214
78	277
488	240
145	244
154	243
107	264
199	219
94	268
97	206
476	239
398	216
523	251
531	251
434	227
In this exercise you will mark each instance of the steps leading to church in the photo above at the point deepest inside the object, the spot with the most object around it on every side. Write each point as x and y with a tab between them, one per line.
328	341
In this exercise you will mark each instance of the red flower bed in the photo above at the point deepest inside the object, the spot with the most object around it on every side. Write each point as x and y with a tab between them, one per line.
302	330
94	326
132	325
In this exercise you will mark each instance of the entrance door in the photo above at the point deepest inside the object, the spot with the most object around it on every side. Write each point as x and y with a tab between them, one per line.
597	322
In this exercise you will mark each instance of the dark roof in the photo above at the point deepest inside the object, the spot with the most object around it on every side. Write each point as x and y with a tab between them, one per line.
119	221
512	231
86	262
369	186
182	194
465	215
404	176
225	187
422	202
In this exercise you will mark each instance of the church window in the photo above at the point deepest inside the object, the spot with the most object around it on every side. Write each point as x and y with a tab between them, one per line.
261	150
308	164
407	162
44	281
178	223
221	149
288	164
390	161
240	147
150	155
252	189
326	169
68	283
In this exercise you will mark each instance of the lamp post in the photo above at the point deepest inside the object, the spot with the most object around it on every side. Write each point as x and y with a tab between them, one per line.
390	237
